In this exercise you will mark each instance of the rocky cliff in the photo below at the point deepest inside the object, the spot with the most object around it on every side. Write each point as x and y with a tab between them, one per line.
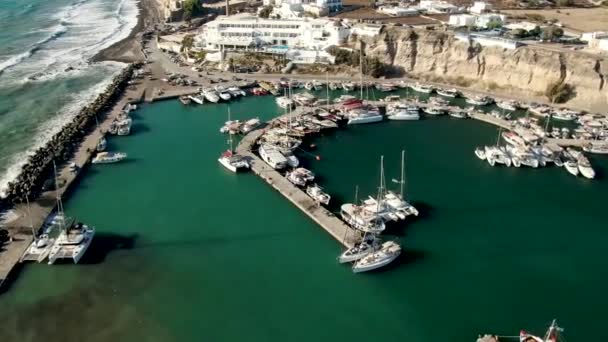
525	71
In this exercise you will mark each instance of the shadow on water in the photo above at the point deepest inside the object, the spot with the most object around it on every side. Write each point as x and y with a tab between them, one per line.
425	211
104	244
139	128
215	241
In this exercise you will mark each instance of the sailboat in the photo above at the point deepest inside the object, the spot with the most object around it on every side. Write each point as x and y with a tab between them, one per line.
229	159
397	201
73	240
40	247
363	114
552	334
368	244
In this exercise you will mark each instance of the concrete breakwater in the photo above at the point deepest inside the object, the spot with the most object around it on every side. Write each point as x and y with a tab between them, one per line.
62	145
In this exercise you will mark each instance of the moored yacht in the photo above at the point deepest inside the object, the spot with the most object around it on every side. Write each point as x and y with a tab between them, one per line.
507	105
572	167
448	92
317	194
388	252
402	111
480	153
210	95
584	166
479	100
232	161
367	245
343	98
422	88
364	115
72	243
284	102
272	157
108	157
300	176
361	219
250	125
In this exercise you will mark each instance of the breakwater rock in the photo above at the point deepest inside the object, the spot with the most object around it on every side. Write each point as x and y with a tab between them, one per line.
62	145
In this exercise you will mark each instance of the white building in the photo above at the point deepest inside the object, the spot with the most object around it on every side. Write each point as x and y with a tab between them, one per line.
596	40
398	11
434	6
461	20
290	9
246	31
521	25
481	21
480	7
488	41
369	30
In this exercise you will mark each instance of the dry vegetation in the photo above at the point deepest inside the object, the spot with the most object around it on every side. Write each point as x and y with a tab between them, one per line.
575	19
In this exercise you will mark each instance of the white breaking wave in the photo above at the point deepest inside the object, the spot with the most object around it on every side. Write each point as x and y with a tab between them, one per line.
50	128
83	29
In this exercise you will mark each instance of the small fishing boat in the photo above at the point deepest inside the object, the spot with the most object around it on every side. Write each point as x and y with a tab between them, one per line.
572	167
448	92
108	157
317	194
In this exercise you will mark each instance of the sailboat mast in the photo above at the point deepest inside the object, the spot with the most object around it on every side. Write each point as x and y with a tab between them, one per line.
381	187
402	183
29	214
58	197
327	86
498	138
361	71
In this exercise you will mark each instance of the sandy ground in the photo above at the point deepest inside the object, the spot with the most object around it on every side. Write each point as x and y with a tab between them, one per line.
129	49
575	19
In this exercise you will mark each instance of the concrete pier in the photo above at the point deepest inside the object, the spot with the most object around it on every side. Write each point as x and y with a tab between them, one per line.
41	208
324	218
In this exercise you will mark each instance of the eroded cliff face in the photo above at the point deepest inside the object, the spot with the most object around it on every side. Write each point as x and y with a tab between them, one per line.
526	71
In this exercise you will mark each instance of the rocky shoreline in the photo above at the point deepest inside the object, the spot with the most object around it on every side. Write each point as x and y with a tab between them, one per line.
61	147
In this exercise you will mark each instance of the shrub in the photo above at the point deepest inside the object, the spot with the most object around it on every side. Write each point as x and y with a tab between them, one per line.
559	92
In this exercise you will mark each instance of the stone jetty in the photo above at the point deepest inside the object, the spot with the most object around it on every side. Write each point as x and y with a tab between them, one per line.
62	145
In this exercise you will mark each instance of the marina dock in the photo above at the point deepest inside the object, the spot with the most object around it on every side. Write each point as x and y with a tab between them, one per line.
323	217
40	209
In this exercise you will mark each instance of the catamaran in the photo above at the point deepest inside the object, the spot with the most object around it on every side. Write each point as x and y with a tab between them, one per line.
73	240
397	202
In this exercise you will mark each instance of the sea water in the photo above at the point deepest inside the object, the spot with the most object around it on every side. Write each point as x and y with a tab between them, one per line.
45	74
188	251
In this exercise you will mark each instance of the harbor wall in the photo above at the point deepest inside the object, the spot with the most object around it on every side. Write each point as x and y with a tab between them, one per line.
62	145
438	56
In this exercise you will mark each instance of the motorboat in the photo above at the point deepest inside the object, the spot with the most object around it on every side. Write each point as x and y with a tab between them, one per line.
422	88
364	115
200	99
513	138
349	86
300	176
210	95
101	145
72	243
458	114
599	147
584	166
507	105
343	98
108	157
496	155
185	100
332	86
572	167
317	193
565	115
273	157
391	98
250	125
367	245
232	161
434	110
224	95
292	160
309	86
400	206
388	252
385	87
361	219
402	111
448	92
236	91
479	100
231	126
480	153
285	102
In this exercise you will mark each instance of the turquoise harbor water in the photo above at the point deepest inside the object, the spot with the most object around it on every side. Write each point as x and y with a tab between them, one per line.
186	251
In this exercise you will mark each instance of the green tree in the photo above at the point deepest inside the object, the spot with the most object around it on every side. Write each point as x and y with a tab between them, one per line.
519	33
494	24
552	32
559	92
191	8
564	3
535	32
187	43
265	12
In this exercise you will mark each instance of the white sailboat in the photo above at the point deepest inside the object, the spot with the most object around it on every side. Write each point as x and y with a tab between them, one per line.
229	159
368	244
388	252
